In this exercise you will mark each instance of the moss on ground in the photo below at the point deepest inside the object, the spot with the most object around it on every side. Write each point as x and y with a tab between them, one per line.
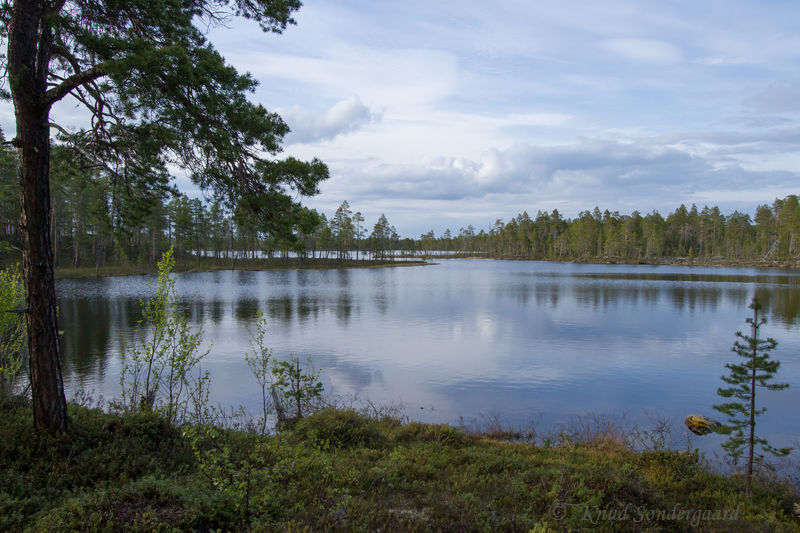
339	470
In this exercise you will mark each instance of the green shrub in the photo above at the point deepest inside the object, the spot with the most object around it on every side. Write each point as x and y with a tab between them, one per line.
158	369
339	429
12	331
419	432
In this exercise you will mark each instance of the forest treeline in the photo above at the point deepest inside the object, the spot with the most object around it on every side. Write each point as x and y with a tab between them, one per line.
97	221
687	233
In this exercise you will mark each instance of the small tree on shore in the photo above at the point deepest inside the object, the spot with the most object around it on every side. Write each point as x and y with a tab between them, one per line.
757	370
296	386
260	362
158	371
12	331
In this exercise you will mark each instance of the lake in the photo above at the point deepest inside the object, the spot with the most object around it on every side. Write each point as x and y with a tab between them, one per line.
524	340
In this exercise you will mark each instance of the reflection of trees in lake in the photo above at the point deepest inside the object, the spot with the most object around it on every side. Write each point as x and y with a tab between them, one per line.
343	277
344	307
547	294
194	311
684	297
520	292
380	298
783	304
738	298
283	308
281	278
692	297
603	295
686	291
280	308
308	306
303	277
598	295
91	326
129	310
217	311
381	302
688	277
245	277
245	309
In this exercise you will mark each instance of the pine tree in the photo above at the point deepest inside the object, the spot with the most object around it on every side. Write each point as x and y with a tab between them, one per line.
158	92
758	369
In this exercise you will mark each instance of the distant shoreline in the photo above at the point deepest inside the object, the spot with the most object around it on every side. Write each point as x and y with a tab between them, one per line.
656	261
191	266
207	265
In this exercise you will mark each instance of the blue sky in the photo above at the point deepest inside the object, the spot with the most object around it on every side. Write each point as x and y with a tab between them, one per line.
443	114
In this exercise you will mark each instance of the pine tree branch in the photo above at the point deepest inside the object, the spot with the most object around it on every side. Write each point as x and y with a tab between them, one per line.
73	82
87	153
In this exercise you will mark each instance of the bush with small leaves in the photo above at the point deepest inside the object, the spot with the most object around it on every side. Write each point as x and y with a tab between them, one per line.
12	331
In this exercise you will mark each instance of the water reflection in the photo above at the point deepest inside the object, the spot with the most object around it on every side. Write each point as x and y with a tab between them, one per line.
195	310
691	297
216	311
783	305
130	309
280	308
728	277
344	308
380	297
343	277
245	277
246	309
308	307
303	277
465	337
546	295
88	344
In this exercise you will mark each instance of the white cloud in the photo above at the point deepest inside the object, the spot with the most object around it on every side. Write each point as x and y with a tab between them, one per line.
638	174
483	109
380	76
344	117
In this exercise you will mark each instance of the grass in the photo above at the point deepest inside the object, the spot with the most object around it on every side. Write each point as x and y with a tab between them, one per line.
339	470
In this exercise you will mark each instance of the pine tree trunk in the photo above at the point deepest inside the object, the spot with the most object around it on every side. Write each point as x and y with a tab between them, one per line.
28	59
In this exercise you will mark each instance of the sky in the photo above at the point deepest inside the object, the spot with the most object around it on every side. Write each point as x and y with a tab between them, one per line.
442	114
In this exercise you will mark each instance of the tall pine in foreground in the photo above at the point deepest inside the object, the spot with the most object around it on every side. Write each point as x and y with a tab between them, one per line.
757	370
157	93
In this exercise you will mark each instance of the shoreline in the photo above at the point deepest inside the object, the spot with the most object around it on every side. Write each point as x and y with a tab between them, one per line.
343	470
246	265
68	272
664	261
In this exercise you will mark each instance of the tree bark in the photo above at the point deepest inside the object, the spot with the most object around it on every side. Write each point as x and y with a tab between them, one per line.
28	61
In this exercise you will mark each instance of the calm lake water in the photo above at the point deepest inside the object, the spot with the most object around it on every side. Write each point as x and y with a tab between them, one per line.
528	341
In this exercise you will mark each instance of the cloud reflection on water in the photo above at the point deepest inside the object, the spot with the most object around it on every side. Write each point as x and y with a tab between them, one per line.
464	337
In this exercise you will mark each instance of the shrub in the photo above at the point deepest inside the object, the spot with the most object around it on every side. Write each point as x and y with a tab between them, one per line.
159	371
340	428
12	331
419	432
